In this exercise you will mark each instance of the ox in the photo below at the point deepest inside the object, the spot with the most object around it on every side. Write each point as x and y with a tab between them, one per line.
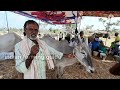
82	54
7	43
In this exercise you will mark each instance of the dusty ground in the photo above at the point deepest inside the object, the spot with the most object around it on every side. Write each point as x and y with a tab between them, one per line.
76	71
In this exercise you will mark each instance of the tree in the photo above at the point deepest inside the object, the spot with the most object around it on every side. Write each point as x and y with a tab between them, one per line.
70	26
89	27
50	29
109	25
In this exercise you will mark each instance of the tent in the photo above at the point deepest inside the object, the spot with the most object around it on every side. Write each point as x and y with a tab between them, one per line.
65	17
52	17
101	13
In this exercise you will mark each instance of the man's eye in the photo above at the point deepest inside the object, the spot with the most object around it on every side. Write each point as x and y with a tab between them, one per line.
30	29
33	29
36	29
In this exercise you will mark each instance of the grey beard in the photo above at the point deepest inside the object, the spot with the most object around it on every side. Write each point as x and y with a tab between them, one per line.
33	37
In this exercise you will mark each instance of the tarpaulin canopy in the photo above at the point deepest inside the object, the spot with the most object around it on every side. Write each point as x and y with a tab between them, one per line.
65	17
101	13
52	17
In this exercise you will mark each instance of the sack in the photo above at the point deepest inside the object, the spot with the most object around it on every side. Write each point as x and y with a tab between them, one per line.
115	70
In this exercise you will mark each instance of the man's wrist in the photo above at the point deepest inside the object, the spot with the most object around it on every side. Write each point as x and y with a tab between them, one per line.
31	56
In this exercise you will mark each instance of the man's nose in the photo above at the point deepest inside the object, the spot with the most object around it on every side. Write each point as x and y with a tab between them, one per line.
34	31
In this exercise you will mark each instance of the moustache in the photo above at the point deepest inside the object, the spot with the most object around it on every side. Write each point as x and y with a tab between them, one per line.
33	35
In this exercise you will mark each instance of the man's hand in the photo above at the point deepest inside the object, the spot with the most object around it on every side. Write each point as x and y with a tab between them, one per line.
52	67
34	49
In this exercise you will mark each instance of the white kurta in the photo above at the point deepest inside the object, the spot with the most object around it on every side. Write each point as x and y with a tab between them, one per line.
37	69
81	40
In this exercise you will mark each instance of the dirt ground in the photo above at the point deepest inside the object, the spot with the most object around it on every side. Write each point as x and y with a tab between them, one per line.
76	71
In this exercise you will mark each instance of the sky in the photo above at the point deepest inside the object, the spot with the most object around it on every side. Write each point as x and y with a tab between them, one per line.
17	21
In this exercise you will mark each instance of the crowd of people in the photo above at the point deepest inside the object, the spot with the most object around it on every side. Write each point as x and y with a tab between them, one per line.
98	45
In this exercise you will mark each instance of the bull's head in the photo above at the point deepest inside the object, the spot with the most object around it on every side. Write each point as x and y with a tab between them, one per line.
83	55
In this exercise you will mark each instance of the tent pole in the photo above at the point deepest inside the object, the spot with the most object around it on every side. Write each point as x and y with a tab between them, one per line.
7	21
80	23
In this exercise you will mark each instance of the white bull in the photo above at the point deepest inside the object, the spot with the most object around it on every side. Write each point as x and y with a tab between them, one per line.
8	41
82	54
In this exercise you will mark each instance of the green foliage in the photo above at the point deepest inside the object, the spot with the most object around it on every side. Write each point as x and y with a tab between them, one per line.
89	27
54	30
50	29
5	30
70	26
109	25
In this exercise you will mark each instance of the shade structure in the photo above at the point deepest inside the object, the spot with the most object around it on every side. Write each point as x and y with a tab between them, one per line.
65	17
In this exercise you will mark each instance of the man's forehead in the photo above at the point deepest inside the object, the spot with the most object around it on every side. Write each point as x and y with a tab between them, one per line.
32	26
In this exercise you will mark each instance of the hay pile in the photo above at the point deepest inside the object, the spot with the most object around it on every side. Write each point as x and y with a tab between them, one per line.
76	71
8	71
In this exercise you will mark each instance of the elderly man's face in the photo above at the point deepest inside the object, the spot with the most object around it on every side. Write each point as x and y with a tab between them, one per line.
31	31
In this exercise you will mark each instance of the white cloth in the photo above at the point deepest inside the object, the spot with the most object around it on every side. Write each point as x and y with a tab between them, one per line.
81	40
37	68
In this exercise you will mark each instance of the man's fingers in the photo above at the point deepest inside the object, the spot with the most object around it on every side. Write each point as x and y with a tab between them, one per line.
36	47
52	68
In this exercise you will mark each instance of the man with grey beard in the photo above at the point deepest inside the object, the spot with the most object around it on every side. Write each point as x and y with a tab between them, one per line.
31	54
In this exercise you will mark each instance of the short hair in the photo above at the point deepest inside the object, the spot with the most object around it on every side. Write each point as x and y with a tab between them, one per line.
116	34
81	32
30	22
96	36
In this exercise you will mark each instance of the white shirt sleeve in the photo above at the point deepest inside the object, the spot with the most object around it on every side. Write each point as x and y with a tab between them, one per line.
19	60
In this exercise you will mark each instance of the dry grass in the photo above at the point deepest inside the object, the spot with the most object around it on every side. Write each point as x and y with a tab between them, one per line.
8	71
76	71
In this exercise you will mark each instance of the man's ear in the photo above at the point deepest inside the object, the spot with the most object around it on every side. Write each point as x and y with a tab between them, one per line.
24	33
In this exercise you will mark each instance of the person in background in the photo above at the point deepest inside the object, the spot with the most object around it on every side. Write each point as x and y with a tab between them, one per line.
95	44
117	38
117	44
102	50
82	38
60	36
68	37
114	48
